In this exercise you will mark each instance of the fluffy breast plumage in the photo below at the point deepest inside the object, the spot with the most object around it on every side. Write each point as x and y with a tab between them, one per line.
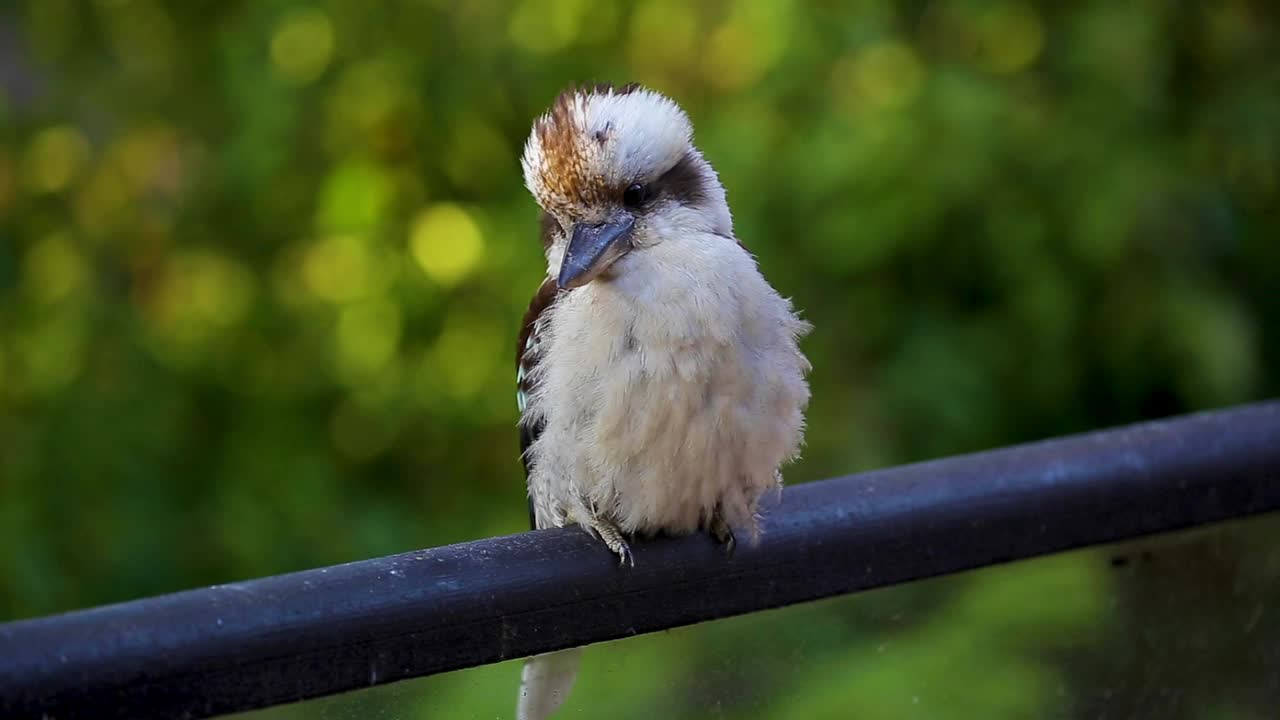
662	397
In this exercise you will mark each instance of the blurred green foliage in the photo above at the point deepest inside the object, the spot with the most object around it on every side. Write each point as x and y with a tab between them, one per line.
261	267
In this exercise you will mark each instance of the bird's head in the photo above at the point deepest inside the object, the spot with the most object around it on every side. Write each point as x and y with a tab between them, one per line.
615	171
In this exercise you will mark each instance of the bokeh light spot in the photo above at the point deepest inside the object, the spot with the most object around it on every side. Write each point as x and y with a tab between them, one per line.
663	39
1215	345
199	297
1012	37
218	289
355	197
881	76
342	268
461	362
55	158
50	355
476	149
369	106
54	268
103	202
544	28
746	46
213	287
368	335
447	243
302	46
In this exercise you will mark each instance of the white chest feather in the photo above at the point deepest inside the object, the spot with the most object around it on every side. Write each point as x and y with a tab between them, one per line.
670	391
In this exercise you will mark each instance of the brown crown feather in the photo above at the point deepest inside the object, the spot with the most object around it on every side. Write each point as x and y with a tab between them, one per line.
565	173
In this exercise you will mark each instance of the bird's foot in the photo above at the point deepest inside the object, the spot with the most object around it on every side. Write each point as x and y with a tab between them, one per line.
722	533
613	539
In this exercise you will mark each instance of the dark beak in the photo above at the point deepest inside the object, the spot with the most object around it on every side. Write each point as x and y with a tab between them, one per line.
593	248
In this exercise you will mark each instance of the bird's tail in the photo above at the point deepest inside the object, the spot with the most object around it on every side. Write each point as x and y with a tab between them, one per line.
546	682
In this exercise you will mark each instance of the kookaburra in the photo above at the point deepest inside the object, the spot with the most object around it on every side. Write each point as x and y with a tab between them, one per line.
659	379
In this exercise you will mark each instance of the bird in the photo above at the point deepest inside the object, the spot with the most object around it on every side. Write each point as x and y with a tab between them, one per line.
660	382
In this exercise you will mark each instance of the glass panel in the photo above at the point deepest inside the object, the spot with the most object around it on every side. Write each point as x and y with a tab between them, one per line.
1181	626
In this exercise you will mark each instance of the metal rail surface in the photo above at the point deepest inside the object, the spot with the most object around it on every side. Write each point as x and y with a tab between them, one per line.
290	637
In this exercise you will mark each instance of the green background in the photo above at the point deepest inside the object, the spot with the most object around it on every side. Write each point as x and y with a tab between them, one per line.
262	265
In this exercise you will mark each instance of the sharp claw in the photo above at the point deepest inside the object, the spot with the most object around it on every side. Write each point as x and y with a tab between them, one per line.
613	540
723	534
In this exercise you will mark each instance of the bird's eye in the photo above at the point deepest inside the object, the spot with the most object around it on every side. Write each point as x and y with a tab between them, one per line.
635	196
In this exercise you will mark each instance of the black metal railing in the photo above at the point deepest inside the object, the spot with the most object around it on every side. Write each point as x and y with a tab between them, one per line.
262	642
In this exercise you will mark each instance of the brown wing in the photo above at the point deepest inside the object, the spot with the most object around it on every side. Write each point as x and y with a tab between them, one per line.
527	358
